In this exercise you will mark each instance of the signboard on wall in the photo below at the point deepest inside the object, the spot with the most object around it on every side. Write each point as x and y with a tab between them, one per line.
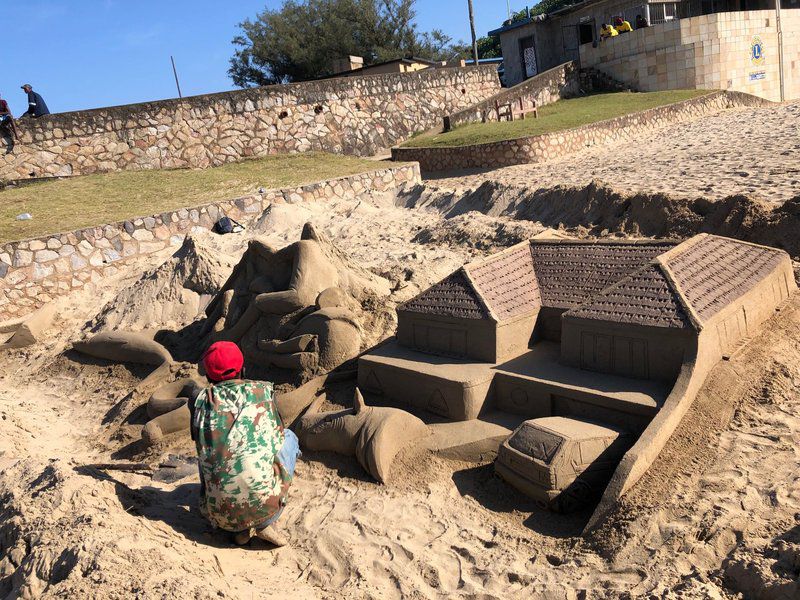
757	51
757	59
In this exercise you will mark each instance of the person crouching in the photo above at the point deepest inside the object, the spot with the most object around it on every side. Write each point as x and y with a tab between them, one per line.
246	456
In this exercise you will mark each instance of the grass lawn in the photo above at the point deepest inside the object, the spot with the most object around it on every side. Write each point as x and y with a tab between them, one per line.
89	200
564	114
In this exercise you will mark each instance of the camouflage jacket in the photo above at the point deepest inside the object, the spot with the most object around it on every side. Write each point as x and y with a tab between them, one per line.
238	433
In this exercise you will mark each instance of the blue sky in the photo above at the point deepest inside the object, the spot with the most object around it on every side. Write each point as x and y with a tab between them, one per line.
90	53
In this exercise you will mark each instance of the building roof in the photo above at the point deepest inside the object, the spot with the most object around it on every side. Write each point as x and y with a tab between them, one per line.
507	282
454	296
642	298
517	281
410	60
712	271
571	272
686	286
649	283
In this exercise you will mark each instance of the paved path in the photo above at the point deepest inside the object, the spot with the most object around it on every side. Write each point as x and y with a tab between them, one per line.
754	151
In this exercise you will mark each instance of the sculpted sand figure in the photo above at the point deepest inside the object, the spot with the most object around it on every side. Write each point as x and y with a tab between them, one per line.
28	330
293	308
373	434
318	341
124	346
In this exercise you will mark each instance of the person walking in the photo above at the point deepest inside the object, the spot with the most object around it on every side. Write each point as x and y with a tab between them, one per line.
246	456
36	105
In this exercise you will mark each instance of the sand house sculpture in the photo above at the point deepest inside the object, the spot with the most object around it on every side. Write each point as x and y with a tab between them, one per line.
616	333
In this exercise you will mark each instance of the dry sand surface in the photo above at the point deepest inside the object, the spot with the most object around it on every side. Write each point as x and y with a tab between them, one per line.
752	151
717	516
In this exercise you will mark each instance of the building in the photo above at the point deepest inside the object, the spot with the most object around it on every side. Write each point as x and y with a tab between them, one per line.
353	66
564	327
705	44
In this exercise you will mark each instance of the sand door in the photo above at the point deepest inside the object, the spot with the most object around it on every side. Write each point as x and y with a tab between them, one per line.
528	50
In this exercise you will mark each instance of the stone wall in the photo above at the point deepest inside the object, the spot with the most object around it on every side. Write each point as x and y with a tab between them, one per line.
548	87
552	145
35	271
707	52
353	115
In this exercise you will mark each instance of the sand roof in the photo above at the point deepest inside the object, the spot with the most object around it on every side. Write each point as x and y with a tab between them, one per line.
712	271
644	298
685	286
454	296
517	281
570	272
658	284
507	282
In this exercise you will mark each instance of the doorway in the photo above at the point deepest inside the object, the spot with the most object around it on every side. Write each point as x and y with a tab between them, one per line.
527	49
586	32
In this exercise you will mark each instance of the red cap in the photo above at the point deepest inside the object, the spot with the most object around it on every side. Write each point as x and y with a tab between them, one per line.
223	361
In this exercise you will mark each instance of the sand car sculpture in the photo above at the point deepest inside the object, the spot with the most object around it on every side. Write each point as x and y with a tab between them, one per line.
613	334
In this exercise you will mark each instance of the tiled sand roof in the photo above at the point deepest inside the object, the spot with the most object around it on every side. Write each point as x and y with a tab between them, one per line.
643	298
571	273
712	271
451	297
507	282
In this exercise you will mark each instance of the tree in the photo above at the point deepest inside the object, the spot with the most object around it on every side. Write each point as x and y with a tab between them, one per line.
300	40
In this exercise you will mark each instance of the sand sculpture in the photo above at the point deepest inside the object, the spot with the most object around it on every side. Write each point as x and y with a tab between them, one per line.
293	308
374	435
124	346
168	408
20	333
599	331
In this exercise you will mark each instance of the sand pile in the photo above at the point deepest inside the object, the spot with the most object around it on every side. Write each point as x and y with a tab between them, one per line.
599	210
171	295
476	230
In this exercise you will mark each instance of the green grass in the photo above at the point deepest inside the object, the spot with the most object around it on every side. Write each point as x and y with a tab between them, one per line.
70	204
564	114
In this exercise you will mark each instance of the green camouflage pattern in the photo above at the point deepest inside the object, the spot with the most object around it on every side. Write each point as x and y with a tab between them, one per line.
238	433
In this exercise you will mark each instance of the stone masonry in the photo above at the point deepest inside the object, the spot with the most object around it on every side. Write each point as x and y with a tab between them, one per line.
35	271
354	115
561	143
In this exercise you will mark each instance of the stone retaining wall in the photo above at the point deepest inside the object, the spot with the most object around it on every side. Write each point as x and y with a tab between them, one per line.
552	145
352	115
35	271
560	82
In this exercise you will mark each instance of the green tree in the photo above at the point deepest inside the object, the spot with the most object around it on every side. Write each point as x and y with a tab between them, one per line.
300	40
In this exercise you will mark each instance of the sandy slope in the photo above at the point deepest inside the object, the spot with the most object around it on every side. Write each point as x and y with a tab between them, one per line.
754	151
714	518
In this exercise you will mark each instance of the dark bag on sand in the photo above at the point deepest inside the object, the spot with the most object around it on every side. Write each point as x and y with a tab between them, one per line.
227	225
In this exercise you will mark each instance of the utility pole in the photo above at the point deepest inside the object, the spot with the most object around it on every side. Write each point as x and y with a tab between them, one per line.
779	28
508	8
175	72
472	30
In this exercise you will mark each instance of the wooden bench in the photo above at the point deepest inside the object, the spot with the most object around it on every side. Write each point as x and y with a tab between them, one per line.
518	109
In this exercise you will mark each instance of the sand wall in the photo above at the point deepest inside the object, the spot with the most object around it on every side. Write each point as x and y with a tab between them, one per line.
35	271
552	145
352	115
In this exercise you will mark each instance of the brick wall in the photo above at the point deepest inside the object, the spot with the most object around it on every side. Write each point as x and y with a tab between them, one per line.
353	115
552	145
35	271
